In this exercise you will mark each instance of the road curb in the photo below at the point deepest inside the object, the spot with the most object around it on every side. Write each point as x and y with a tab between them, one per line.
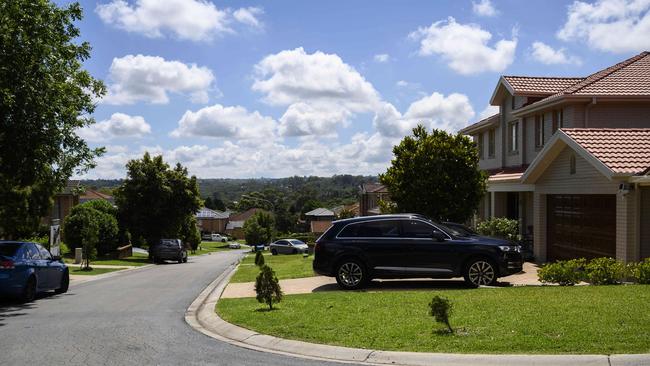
202	317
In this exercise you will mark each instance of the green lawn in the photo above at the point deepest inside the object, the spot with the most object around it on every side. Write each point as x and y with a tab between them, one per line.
285	267
93	272
136	260
213	246
549	319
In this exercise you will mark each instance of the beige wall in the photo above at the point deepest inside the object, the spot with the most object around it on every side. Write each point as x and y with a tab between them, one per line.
488	163
626	227
587	180
320	226
212	225
619	115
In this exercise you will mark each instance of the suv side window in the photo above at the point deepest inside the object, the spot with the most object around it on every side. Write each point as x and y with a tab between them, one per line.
372	229
418	229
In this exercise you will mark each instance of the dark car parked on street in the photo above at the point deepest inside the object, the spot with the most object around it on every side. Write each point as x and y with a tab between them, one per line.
169	249
27	269
410	246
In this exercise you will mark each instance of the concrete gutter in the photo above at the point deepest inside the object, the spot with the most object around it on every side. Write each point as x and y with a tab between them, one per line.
202	317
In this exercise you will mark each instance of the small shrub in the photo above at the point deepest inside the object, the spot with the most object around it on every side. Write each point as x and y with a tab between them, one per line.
500	227
259	258
564	273
640	272
440	308
604	271
267	287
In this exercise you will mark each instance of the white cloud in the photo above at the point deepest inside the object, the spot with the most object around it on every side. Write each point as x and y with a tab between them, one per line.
490	110
484	8
249	16
402	83
449	113
382	57
119	125
195	20
302	119
465	47
609	25
151	78
225	122
549	56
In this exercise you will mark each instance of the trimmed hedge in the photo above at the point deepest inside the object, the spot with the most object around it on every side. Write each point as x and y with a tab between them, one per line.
598	271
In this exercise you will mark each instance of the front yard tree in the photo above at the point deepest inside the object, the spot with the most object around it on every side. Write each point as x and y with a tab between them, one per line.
45	97
435	174
267	287
156	201
98	215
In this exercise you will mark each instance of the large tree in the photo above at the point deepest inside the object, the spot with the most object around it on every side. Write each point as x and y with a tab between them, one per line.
156	201
435	174
45	96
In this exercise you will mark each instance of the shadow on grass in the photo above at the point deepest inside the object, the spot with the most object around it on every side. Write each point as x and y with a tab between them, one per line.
266	310
403	285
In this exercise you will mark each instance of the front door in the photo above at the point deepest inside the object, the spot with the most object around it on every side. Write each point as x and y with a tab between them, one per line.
432	251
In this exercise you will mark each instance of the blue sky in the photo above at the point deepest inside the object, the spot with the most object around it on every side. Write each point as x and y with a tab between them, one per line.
251	89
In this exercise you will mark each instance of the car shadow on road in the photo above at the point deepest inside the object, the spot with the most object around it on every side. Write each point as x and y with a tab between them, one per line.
12	308
408	285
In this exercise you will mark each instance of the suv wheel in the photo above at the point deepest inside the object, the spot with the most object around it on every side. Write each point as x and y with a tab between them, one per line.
351	274
274	252
480	272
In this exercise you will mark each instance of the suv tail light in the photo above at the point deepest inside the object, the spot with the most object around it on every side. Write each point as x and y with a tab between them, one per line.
7	264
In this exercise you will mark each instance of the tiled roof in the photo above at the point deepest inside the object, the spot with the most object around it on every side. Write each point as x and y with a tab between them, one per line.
91	194
243	216
320	212
622	150
627	78
484	122
374	187
540	85
206	213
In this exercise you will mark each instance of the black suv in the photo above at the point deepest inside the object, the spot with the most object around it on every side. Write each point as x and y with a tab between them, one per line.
168	249
410	246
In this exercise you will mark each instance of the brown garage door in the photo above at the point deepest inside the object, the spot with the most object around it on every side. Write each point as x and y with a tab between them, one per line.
581	226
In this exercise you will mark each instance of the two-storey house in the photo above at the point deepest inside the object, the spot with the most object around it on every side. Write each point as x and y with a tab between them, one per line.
570	159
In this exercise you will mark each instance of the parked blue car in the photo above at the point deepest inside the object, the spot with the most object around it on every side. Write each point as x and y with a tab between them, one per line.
27	269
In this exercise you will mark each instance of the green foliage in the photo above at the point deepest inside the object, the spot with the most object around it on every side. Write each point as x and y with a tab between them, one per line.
436	175
304	237
259	258
604	271
345	214
190	234
440	308
499	227
45	97
155	201
267	287
83	215
258	229
564	273
641	271
102	206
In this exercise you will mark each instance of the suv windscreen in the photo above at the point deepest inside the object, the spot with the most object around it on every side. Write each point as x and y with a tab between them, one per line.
372	229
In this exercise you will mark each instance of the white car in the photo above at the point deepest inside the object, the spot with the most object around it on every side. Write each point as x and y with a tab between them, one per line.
234	245
218	237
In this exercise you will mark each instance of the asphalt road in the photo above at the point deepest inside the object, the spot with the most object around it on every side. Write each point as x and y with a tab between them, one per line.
133	318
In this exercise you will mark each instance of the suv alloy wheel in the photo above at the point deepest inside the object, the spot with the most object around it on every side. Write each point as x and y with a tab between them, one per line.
480	272
351	274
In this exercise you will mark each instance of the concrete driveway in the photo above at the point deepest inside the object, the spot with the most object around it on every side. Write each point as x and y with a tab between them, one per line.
528	277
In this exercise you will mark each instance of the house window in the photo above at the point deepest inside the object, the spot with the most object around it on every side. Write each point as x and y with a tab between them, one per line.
513	137
572	164
558	119
539	131
491	142
481	138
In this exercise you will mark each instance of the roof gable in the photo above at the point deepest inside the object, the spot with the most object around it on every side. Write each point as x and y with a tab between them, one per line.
622	152
320	212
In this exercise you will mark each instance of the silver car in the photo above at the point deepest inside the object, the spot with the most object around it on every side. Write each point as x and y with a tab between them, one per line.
288	246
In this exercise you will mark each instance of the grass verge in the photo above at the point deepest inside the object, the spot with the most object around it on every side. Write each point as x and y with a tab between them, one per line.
285	267
94	271
553	320
137	259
